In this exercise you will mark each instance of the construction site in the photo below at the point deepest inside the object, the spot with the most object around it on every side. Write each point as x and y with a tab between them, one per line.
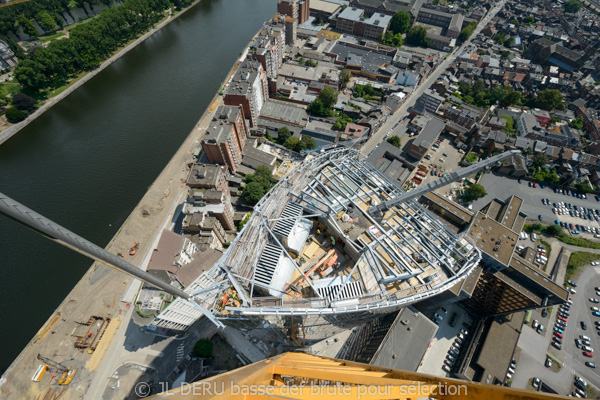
318	255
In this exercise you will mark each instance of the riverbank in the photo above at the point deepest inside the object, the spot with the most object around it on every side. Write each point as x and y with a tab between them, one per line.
14	129
100	290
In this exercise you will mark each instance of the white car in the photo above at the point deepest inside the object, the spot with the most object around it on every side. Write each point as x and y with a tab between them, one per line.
596	262
587	348
536	382
584	337
594	308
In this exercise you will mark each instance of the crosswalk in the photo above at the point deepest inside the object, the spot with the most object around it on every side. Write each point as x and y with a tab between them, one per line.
567	367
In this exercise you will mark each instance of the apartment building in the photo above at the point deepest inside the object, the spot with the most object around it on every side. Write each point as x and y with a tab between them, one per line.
248	89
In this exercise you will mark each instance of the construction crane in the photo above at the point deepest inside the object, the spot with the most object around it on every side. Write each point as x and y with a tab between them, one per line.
67	373
52	363
449	178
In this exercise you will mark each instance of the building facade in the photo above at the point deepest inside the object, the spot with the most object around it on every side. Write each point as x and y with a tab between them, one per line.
248	89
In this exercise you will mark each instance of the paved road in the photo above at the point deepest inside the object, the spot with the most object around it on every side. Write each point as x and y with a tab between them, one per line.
378	137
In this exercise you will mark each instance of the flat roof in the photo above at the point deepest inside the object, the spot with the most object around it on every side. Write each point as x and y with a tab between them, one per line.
284	113
325	6
430	133
498	347
493	238
406	341
450	206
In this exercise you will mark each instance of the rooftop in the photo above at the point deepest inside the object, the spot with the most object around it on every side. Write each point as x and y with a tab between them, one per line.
343	257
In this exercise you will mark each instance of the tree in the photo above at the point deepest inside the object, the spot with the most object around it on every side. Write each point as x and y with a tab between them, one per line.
395	141
292	143
576	123
345	76
306	143
529	19
549	99
572	6
253	192
14	115
513	97
203	348
539	160
283	134
400	22
509	128
554	230
467	31
24	102
324	102
474	192
27	26
392	40
417	36
46	22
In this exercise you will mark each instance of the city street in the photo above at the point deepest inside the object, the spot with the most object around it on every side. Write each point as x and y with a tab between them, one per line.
379	136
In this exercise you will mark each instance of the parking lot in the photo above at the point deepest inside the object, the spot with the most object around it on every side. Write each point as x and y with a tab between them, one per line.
501	187
570	358
446	335
443	160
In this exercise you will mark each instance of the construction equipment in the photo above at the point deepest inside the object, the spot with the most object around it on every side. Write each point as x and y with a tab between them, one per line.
318	264
52	363
66	377
40	372
134	248
92	335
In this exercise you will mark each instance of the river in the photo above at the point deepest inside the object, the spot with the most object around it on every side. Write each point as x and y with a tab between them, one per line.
88	161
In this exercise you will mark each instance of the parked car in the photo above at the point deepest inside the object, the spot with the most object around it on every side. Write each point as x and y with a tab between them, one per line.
544	313
548	363
536	382
587	363
583	325
570	282
588	354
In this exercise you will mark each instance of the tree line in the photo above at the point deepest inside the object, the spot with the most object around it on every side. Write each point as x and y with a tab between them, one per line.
89	44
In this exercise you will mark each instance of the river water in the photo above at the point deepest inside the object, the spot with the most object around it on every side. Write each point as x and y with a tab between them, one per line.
88	161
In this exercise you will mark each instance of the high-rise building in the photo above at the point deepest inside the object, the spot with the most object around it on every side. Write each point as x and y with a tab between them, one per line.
248	89
298	9
225	137
267	48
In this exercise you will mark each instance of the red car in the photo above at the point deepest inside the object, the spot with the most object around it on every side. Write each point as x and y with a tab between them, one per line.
562	319
571	226
588	354
558	334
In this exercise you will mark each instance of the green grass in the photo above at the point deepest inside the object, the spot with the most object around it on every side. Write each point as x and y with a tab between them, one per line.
62	88
48	38
563	237
471	158
9	89
577	260
580	242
